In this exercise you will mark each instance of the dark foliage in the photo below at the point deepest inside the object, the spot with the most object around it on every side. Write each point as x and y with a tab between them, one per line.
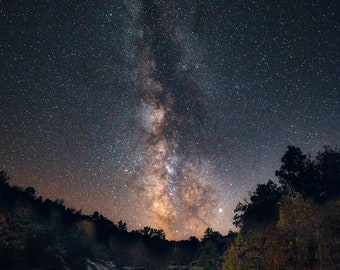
263	206
45	234
213	246
296	225
318	179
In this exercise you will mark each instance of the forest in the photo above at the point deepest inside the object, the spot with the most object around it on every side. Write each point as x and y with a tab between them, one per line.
292	223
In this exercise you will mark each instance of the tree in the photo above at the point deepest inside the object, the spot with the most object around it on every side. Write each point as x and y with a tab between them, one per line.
328	169
209	257
152	233
122	226
262	208
211	235
312	231
295	226
194	239
213	244
95	216
3	177
294	164
30	192
299	221
277	250
317	179
236	255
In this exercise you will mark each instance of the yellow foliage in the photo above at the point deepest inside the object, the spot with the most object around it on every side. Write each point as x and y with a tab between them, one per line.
236	254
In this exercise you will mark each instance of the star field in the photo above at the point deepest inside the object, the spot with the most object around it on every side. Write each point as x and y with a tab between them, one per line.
163	113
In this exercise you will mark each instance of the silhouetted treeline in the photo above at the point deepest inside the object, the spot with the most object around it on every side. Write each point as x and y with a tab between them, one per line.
294	225
45	234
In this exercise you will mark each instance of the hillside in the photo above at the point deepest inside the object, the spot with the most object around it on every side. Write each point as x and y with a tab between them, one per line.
45	234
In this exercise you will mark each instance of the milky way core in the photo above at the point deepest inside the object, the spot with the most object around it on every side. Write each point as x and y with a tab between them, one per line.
175	185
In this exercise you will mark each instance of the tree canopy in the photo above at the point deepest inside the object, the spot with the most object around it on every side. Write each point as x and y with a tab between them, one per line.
316	178
294	225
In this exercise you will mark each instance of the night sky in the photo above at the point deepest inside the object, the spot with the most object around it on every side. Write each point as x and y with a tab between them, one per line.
163	113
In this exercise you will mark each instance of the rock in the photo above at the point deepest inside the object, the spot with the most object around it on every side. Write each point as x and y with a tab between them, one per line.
108	265
103	265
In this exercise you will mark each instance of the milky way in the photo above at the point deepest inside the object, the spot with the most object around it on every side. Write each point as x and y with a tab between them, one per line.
177	196
163	113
